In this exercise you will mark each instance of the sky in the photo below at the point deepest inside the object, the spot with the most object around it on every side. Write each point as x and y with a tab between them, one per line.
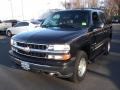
26	9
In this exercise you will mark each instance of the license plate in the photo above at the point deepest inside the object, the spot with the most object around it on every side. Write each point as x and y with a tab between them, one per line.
25	65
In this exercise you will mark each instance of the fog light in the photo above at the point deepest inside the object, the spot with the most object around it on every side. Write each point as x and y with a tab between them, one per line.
59	57
50	56
14	49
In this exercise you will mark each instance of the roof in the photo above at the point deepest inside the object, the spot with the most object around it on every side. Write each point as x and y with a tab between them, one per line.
84	9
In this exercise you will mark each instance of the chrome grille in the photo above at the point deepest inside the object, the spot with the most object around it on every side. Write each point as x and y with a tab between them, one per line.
33	54
33	46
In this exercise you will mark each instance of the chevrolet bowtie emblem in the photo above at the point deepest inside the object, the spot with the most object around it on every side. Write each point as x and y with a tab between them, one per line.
27	49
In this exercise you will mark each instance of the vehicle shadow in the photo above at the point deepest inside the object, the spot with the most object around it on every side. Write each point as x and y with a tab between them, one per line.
4	49
112	65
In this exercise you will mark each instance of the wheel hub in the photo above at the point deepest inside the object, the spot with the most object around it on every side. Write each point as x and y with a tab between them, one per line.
82	67
108	46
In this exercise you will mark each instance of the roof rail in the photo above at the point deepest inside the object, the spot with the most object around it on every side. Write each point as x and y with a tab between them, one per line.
93	8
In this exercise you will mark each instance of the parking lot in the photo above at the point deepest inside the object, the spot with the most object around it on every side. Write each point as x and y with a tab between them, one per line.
104	74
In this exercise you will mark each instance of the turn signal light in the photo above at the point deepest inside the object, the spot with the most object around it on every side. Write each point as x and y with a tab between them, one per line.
59	57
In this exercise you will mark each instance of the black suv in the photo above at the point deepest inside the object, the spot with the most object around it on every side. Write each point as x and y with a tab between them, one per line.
68	40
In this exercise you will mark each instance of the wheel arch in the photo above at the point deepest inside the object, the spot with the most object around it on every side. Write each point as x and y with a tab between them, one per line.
86	49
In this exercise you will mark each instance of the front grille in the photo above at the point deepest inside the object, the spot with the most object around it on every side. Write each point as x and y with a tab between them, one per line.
33	46
33	54
40	61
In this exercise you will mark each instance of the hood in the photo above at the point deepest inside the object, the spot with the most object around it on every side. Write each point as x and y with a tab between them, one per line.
48	36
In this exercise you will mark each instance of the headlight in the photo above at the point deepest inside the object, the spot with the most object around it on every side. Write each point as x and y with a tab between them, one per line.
13	42
57	47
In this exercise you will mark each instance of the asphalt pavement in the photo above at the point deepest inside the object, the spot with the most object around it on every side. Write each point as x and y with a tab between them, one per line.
104	74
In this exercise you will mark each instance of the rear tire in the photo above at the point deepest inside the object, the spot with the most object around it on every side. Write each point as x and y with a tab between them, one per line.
9	34
80	67
107	47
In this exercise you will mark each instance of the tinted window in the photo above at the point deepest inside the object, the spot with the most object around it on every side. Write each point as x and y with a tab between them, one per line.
68	19
22	24
95	18
102	17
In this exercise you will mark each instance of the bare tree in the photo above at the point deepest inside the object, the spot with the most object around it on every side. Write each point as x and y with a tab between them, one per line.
84	3
92	3
112	7
66	4
77	3
117	2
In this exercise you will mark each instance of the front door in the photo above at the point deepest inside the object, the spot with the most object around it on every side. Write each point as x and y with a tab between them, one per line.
98	33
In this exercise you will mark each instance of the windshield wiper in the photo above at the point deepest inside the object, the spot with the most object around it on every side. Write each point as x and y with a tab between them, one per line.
60	25
46	26
67	26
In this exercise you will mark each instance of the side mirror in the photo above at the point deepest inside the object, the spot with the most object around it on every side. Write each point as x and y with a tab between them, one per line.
41	21
98	25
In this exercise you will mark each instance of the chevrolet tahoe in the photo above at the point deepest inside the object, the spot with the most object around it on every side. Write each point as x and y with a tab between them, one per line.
66	43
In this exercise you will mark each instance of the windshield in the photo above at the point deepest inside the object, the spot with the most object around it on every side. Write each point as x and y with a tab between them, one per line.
68	19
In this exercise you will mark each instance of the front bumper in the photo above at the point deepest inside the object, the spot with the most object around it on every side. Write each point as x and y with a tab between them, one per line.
59	68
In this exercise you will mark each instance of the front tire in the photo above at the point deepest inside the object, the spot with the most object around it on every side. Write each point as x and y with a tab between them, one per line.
80	67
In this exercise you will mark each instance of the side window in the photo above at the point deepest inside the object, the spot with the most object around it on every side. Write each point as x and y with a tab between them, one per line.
102	17
22	24
25	24
95	18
